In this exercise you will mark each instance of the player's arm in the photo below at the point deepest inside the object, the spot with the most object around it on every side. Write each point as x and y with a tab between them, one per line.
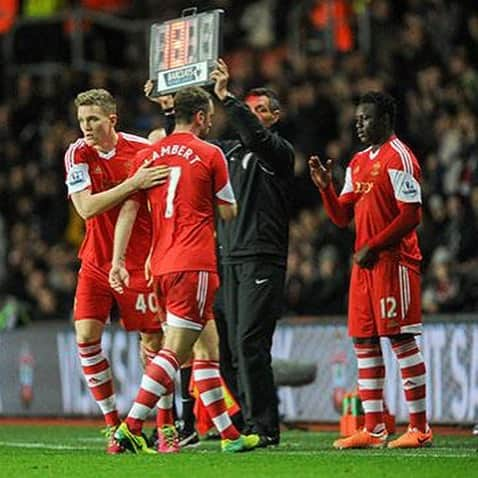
225	200
338	208
90	204
408	218
407	194
119	276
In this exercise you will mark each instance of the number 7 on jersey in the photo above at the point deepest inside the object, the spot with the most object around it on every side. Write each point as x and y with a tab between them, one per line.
174	175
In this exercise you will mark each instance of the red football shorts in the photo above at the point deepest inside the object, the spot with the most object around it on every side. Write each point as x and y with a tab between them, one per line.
137	305
384	300
187	297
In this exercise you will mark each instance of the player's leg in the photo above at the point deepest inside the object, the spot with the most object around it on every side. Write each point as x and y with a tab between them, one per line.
141	310
371	368
157	380
180	292
151	344
397	304
207	379
413	372
93	301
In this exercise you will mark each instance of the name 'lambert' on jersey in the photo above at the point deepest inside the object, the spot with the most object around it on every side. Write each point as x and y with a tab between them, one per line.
179	150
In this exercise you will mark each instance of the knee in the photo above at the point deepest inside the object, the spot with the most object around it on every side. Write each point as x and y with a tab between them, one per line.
88	331
152	342
206	350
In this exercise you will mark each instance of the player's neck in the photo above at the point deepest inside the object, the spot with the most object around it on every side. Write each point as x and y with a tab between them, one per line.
186	128
109	144
381	141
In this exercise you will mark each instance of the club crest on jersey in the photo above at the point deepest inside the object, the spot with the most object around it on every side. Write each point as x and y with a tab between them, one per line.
97	170
375	169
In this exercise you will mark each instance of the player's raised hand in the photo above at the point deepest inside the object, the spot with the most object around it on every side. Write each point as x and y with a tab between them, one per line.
118	278
165	101
148	176
320	173
220	76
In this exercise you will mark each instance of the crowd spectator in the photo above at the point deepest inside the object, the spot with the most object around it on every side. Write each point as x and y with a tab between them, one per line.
424	53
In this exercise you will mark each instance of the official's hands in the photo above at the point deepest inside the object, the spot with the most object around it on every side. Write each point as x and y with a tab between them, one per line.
220	76
321	174
147	177
365	257
166	101
118	278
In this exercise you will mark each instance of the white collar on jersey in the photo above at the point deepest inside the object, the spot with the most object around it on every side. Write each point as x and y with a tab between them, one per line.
107	155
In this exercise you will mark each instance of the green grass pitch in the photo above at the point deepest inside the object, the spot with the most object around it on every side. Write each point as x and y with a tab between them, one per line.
78	451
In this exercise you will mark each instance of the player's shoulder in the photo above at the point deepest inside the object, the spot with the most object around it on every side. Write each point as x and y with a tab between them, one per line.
401	155
78	145
133	141
76	152
209	149
144	153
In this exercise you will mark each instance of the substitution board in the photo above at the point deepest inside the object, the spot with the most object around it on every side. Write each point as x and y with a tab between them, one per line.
183	51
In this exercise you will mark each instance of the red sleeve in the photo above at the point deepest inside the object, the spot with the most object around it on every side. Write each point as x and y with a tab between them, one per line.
221	183
408	218
77	177
139	196
339	209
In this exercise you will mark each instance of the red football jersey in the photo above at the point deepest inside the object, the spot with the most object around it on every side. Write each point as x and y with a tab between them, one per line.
375	182
86	168
182	209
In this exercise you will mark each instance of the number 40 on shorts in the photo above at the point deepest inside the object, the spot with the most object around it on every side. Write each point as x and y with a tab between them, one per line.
145	302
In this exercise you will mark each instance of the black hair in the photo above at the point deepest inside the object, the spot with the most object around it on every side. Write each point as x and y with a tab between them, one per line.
272	95
385	104
189	101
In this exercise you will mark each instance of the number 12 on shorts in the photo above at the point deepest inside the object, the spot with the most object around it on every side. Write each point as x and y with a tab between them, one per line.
388	307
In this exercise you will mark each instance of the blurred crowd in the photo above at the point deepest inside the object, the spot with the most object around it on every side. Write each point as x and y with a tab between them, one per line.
425	53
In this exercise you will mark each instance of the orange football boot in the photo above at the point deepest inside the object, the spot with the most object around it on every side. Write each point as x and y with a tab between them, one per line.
413	438
362	439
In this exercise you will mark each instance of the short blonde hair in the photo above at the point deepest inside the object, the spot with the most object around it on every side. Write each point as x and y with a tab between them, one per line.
97	97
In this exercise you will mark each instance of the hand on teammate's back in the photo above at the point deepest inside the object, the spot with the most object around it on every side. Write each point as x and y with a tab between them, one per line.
147	177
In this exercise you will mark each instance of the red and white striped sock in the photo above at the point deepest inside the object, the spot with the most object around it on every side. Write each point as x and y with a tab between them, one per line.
97	373
208	382
164	407
371	377
412	368
158	380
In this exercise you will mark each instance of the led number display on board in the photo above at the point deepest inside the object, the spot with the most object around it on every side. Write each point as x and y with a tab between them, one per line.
183	51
